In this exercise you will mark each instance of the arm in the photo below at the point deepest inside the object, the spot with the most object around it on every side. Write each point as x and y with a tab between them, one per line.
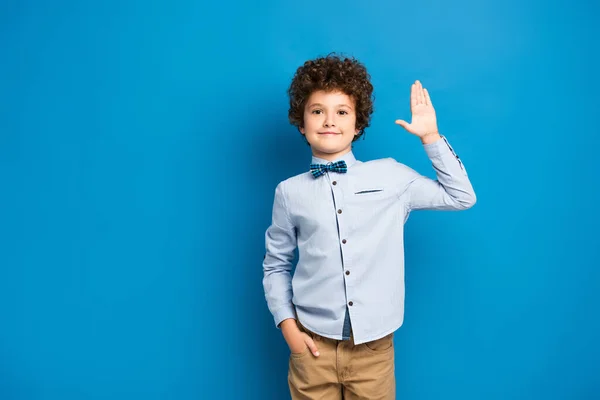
280	243
452	190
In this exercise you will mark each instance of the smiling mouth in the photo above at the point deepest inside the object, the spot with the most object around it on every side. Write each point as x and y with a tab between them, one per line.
328	133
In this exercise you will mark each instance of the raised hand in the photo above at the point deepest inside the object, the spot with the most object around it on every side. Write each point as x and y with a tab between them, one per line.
424	123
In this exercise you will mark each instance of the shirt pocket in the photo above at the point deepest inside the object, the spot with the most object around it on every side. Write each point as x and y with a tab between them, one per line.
367	193
373	206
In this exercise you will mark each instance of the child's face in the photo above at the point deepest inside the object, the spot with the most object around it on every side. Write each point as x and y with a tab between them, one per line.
329	124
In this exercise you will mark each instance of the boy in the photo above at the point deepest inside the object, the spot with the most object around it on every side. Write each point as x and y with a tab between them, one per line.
340	309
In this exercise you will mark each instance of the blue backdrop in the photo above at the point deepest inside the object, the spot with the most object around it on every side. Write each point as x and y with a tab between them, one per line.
141	143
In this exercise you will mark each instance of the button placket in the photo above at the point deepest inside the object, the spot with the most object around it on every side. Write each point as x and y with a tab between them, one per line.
338	184
346	248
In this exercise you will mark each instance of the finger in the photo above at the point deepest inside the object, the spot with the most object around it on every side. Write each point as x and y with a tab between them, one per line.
312	346
413	95
427	98
402	123
421	98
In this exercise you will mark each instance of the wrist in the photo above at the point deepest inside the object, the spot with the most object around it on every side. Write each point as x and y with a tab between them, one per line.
288	325
429	138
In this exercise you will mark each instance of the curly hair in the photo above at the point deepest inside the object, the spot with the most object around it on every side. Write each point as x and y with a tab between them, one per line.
332	73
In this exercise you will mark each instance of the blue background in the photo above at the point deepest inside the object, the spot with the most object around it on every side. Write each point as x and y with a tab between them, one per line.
141	143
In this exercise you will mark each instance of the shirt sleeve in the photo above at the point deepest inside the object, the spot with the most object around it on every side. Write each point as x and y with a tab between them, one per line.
280	244
452	190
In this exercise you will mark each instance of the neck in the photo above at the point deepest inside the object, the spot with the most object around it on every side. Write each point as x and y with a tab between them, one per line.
331	156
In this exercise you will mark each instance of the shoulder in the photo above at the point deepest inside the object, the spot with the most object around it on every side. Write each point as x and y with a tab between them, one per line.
382	163
294	183
388	169
296	180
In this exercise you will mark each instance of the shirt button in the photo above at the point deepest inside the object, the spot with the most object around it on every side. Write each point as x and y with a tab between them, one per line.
347	272
334	183
339	211
344	241
350	303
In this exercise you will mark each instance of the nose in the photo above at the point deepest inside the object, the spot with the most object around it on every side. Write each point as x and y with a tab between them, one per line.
329	121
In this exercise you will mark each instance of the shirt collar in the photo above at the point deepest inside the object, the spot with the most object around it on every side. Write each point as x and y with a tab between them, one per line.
348	158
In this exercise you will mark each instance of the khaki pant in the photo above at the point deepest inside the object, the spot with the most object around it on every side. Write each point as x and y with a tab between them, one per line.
343	370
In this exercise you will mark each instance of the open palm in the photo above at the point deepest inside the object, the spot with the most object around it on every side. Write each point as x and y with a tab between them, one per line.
423	114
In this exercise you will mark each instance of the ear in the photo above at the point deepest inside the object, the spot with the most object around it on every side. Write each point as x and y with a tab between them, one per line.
301	129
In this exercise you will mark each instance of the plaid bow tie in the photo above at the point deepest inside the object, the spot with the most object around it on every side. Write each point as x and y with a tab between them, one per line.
319	169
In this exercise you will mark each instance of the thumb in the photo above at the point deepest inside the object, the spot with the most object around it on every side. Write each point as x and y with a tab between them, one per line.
402	123
312	346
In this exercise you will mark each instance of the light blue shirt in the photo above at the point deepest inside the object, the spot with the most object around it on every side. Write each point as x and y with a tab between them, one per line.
349	231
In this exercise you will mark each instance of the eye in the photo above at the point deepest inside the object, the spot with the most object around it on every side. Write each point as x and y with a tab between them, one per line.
316	111
343	112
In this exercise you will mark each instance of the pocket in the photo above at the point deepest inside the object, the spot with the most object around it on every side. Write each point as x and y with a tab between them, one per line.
368	191
300	355
306	350
382	345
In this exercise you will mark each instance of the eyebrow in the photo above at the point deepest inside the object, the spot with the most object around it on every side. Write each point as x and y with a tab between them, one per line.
321	105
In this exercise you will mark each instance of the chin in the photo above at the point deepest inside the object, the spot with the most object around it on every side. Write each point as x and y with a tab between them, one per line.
330	150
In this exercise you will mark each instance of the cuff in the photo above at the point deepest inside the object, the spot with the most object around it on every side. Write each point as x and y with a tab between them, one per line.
437	148
284	313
